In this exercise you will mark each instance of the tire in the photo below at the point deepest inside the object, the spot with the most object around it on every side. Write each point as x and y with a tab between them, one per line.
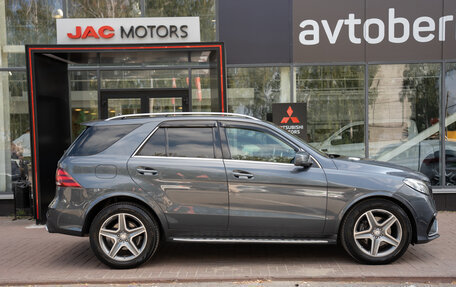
382	229
124	235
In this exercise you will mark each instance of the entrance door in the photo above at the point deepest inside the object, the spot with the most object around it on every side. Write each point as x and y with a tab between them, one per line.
128	101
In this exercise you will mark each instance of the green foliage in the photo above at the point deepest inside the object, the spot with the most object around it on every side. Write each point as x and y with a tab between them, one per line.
103	9
30	21
205	9
334	97
265	83
421	87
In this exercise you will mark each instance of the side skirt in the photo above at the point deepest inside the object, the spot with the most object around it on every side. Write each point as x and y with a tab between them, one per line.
254	240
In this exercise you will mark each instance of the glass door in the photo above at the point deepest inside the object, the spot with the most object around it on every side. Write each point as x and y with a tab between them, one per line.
128	101
165	105
123	106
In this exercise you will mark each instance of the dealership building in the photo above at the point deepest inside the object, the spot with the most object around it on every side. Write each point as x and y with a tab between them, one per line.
359	78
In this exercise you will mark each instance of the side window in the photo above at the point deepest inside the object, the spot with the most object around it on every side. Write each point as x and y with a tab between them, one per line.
180	142
96	139
190	142
156	145
255	145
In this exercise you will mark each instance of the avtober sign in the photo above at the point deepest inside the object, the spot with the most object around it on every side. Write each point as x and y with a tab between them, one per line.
372	30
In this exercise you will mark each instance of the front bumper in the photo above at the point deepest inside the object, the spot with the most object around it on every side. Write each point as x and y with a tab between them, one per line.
423	214
432	232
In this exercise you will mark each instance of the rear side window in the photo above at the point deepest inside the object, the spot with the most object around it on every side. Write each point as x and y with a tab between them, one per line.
180	142
96	139
155	146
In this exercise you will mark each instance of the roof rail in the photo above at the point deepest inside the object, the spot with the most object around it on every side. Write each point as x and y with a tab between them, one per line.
121	117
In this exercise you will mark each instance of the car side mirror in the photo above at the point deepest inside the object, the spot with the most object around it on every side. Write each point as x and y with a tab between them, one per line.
302	159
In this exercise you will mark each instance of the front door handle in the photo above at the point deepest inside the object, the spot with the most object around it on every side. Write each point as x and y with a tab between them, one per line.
242	174
146	171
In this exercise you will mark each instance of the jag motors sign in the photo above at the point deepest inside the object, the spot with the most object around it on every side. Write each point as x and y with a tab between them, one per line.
369	30
128	30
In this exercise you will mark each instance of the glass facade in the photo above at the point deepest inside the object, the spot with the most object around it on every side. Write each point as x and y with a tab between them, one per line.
252	91
449	111
334	97
389	112
15	150
136	79
205	9
201	92
83	99
404	116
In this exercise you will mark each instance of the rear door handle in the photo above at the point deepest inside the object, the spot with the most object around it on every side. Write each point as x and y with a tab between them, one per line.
242	174
146	171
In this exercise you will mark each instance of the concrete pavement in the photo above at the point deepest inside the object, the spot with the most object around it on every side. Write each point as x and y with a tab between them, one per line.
33	256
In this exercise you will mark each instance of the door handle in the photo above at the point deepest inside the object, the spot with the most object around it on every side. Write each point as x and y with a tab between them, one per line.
242	174
146	171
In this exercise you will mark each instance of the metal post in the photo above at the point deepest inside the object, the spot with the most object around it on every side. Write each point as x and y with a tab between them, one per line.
366	110
442	115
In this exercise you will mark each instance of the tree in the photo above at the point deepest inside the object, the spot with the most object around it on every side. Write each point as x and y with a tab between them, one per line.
334	97
30	21
421	88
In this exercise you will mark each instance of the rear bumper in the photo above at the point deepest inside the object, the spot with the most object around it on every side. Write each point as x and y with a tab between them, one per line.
65	214
53	226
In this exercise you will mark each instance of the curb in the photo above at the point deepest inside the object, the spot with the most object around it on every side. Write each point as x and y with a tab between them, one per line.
450	279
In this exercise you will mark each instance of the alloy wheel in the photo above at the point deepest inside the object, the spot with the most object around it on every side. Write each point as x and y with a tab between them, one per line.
122	237
377	233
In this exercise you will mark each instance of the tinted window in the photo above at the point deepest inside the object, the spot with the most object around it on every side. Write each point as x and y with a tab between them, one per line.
255	145
96	139
190	142
155	145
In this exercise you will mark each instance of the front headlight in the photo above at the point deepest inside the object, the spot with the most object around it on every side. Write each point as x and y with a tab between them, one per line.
417	185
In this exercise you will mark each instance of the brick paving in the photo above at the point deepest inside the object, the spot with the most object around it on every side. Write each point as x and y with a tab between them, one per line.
33	256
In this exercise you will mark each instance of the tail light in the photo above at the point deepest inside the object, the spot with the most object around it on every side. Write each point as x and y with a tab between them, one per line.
62	178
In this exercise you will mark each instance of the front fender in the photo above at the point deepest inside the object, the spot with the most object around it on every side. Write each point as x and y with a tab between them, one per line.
335	217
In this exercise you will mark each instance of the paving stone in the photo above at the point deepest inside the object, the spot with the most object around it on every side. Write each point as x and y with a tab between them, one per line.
33	256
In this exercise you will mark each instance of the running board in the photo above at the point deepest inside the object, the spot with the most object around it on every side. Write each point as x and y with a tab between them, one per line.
250	240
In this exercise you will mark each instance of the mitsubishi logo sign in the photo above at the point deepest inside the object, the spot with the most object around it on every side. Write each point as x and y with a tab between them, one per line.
286	119
291	117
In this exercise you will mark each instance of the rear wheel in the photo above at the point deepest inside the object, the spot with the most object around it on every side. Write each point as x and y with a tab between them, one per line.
123	235
376	231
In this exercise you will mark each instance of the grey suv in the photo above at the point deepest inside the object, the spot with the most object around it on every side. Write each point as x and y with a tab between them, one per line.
132	182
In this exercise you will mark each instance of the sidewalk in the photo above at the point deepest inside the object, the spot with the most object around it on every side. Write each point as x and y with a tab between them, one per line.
33	256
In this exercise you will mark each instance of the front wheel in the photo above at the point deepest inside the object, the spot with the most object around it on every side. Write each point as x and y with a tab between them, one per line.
376	231
123	235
